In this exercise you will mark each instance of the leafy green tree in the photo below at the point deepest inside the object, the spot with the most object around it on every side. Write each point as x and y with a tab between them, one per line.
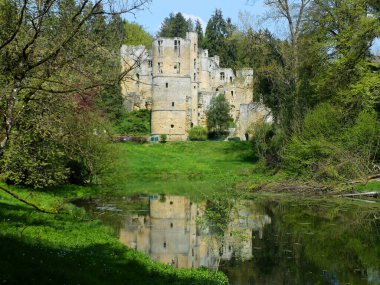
56	58
218	114
136	35
175	26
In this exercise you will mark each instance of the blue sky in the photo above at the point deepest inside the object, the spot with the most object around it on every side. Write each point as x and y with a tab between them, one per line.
152	17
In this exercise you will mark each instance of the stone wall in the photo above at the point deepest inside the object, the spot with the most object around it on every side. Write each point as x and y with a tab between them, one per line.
177	81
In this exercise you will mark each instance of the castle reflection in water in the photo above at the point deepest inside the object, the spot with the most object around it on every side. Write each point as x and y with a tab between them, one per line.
171	234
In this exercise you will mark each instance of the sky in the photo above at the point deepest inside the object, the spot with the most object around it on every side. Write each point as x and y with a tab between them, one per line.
152	17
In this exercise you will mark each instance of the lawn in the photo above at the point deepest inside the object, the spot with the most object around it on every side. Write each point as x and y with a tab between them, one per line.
190	168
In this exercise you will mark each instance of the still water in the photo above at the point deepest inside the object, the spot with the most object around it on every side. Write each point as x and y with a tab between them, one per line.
267	240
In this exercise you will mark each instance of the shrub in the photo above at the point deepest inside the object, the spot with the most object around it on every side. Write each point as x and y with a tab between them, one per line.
268	141
163	138
234	139
324	121
139	139
198	133
328	148
134	123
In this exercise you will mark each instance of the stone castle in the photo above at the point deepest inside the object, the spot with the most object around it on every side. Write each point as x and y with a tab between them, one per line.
176	80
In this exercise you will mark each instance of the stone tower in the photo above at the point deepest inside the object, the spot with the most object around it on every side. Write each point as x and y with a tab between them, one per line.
174	86
177	80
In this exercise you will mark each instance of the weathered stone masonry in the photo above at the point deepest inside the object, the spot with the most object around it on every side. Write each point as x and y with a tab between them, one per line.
177	81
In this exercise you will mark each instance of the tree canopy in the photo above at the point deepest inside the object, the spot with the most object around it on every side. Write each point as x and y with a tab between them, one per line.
136	35
218	114
175	26
59	82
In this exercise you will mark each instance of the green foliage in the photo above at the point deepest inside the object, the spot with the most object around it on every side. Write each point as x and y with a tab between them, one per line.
136	35
134	123
81	247
110	102
199	30
322	88
175	26
218	114
363	137
267	141
329	148
234	139
58	82
324	121
32	160
49	147
163	138
217	31
198	133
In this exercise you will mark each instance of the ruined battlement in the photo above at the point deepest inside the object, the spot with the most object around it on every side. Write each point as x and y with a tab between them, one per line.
176	80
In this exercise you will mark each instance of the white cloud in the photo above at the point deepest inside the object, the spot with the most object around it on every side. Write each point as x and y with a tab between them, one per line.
194	18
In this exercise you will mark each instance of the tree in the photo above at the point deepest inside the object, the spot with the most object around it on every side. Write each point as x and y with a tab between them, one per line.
199	30
175	26
215	35
56	57
218	114
322	87
136	35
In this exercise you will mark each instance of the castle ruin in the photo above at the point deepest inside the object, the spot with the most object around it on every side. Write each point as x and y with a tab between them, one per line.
176	80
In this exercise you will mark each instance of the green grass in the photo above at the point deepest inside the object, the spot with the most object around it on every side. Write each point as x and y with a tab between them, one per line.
368	187
70	248
189	168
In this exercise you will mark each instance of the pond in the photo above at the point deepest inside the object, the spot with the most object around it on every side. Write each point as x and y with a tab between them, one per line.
266	240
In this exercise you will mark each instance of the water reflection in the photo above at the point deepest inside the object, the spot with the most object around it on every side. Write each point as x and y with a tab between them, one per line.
171	234
269	240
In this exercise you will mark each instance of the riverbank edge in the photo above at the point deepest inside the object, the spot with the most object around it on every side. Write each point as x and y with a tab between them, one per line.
26	231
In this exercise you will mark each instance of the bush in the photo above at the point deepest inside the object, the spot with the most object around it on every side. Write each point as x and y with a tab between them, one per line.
139	139
198	133
329	149
163	138
134	123
268	141
234	139
217	135
42	154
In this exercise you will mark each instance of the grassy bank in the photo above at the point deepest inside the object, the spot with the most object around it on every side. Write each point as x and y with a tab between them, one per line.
188	168
70	248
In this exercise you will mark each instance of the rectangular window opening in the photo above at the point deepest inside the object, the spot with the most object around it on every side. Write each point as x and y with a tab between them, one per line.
160	47
160	65
177	47
177	67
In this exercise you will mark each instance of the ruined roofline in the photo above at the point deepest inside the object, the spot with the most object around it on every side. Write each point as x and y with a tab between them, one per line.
187	38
